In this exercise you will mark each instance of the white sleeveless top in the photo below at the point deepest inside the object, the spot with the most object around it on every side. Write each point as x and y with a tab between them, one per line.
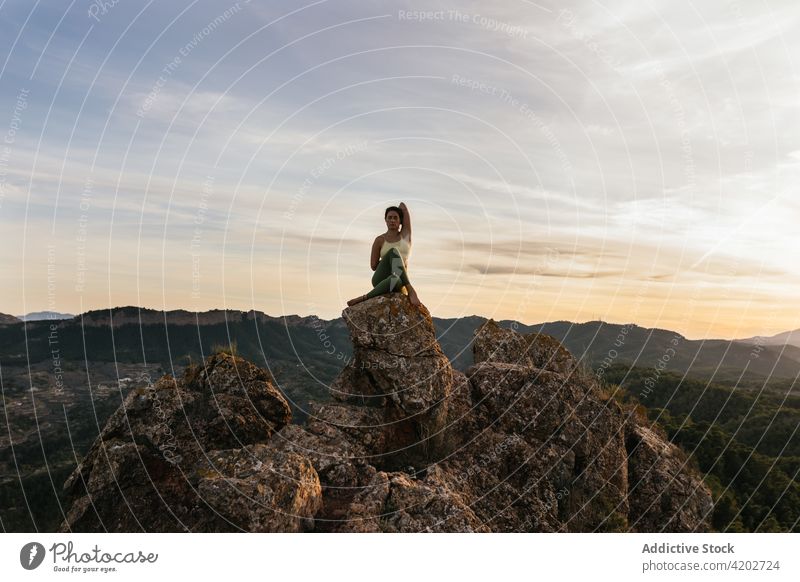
401	245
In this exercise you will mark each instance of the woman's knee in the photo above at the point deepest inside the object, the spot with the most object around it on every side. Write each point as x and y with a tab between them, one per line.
395	282
389	256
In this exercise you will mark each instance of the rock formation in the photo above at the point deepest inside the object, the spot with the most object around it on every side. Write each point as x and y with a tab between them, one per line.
192	455
525	441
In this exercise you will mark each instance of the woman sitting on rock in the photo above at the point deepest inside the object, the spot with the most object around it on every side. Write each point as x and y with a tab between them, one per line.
389	257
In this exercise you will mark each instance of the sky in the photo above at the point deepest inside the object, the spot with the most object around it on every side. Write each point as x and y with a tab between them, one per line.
625	161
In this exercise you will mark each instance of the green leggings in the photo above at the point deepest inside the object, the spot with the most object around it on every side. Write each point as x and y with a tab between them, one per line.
390	274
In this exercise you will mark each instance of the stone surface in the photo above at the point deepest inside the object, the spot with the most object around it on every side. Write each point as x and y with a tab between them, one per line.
664	495
494	344
399	368
164	457
525	441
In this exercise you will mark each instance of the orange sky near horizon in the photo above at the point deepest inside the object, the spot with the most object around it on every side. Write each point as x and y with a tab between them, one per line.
634	163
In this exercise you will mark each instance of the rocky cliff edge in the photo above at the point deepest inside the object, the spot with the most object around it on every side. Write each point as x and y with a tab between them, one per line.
525	441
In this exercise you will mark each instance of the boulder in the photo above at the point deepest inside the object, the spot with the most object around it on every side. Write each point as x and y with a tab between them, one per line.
525	441
398	367
191	455
495	344
665	495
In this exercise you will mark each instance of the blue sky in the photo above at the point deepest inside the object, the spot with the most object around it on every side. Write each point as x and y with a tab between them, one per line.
630	161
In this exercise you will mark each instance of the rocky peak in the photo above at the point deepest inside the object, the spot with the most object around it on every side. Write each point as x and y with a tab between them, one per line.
495	344
524	441
178	453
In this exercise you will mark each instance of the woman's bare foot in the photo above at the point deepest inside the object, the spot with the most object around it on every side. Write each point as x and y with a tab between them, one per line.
412	296
356	300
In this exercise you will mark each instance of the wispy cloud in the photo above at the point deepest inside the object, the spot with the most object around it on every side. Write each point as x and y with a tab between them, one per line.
590	152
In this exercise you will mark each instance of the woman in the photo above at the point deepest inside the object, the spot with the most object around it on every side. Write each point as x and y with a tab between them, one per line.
389	257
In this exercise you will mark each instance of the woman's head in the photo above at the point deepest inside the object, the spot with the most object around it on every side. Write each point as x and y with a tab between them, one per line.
393	216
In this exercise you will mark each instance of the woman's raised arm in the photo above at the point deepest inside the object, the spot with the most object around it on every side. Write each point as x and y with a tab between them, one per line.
406	232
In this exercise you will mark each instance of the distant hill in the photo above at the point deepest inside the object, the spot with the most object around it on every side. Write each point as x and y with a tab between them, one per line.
6	319
601	343
119	316
780	339
134	334
42	315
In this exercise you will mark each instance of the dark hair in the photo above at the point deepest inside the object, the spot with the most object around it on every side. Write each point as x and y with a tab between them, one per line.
397	210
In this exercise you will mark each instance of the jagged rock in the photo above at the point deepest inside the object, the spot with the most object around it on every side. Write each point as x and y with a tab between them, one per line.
568	443
664	494
341	464
396	353
257	489
525	441
394	502
494	344
365	426
142	472
398	367
391	325
548	434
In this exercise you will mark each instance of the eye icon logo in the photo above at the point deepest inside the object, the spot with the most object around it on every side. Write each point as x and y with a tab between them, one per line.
31	555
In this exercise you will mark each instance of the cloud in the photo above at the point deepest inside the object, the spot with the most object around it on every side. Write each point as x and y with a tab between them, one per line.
561	259
313	240
517	270
533	248
627	143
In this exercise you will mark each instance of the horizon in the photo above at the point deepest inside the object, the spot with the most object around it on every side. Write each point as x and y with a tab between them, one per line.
618	323
563	162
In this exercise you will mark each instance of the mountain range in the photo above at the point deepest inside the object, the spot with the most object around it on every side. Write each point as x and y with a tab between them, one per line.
791	338
62	380
41	315
595	343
